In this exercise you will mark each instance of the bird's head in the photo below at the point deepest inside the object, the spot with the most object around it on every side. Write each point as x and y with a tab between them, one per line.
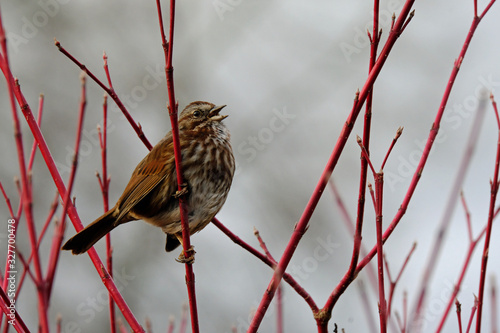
200	115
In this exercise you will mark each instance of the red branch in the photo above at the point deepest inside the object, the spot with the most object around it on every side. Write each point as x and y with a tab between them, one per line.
12	216
491	213
372	276
59	230
377	198
393	283
110	91
50	216
374	40
474	308
263	244
456	288
26	195
44	229
301	226
393	143
104	185
349	277
367	306
450	206
458	307
279	300
271	263
73	215
172	108
7	201
5	304
39	122
379	185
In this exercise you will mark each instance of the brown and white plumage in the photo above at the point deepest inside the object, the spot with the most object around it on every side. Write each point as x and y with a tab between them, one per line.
208	169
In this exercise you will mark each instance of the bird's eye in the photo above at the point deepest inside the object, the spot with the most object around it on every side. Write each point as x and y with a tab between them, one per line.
197	113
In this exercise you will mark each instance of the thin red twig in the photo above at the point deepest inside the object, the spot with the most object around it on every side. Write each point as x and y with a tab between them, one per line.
39	122
279	300
484	262
27	269
393	143
459	315
467	216
50	216
473	311
55	250
367	306
377	196
17	321
263	244
364	153
366	143
271	263
14	232
379	185
104	184
42	233
110	91
7	201
372	275
26	191
12	216
442	230
106	70
393	283
472	246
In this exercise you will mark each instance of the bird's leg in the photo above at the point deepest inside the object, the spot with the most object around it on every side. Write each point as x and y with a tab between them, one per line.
182	191
190	253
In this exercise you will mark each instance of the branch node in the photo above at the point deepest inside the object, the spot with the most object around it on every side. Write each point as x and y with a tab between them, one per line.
323	316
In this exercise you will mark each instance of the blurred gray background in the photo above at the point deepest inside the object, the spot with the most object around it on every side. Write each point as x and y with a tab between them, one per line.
288	72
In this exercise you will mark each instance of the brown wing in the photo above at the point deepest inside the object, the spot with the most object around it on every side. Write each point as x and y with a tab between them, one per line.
155	167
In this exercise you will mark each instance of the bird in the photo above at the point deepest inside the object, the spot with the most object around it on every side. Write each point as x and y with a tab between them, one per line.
208	167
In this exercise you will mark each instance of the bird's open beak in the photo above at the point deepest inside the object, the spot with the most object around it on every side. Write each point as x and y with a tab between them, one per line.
214	113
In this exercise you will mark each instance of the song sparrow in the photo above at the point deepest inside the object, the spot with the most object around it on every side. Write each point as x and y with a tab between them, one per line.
208	169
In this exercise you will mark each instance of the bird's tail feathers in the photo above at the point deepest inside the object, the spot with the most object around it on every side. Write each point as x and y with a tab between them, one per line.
87	237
